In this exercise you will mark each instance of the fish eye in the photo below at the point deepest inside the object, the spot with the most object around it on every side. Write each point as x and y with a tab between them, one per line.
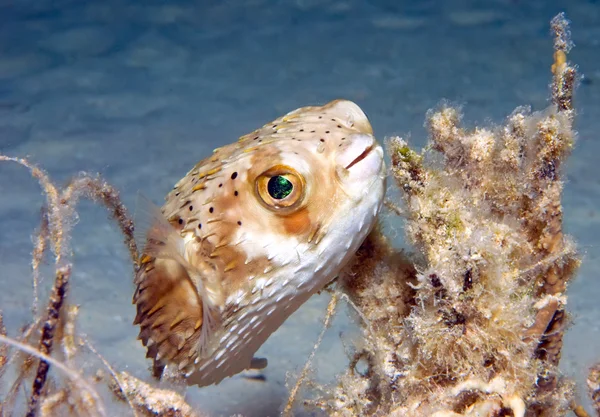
280	187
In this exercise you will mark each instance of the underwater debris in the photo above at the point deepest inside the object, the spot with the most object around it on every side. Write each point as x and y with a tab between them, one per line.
58	344
55	304
150	401
475	327
593	383
289	406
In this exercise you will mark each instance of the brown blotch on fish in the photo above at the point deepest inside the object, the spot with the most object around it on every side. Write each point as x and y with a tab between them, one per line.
298	223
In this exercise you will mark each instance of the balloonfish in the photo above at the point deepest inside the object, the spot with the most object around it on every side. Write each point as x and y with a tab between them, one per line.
250	233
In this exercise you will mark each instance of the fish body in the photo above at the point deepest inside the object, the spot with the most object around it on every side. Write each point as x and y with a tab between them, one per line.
250	233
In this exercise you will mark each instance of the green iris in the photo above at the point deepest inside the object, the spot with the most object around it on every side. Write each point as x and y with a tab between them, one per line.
279	187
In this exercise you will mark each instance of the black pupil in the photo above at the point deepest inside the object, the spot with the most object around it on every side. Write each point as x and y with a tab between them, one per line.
279	187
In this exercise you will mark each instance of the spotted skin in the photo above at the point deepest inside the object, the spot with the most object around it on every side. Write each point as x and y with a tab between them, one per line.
258	258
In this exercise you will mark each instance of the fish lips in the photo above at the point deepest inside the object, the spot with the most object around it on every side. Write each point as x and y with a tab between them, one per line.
360	159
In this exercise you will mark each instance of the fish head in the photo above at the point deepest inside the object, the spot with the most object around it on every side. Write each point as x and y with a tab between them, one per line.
307	173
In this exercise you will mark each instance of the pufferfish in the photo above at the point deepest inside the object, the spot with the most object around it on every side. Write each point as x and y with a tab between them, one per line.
250	233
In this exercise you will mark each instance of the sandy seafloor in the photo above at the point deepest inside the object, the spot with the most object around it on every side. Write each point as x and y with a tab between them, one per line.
140	91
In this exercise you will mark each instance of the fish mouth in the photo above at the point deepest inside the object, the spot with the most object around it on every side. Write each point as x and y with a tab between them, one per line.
360	157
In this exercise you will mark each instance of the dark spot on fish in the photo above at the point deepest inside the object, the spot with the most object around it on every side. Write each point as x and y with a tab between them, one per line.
191	208
234	175
343	138
239	223
211	209
327	131
301	130
339	126
235	193
199	225
220	185
180	221
322	140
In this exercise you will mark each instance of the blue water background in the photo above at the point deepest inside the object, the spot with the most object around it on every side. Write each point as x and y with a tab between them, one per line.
140	91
